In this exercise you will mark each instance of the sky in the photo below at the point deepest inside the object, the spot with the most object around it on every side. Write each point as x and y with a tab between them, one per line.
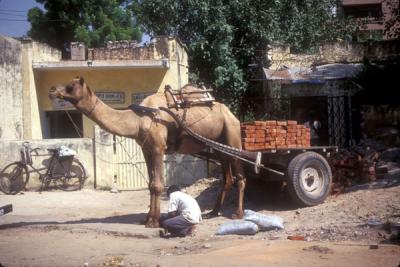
13	17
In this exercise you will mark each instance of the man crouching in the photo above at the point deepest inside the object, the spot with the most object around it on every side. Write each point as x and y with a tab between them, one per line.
183	214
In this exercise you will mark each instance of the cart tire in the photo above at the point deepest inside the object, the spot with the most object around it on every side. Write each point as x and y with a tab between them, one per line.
309	179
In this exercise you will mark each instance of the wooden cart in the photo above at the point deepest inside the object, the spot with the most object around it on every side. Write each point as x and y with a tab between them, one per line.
306	170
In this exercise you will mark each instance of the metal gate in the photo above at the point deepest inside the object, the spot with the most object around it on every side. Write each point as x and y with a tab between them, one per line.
127	166
339	120
130	166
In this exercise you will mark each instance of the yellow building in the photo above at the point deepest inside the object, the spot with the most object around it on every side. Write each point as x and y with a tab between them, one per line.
120	74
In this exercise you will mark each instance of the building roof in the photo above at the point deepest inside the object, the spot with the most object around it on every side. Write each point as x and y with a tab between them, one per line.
360	2
317	75
100	64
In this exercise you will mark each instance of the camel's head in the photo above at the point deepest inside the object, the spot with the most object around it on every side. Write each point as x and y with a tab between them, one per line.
73	92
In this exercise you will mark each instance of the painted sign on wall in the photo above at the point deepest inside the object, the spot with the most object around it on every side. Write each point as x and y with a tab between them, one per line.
111	97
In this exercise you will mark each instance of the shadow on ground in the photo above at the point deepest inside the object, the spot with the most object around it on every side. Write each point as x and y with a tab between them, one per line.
259	195
122	219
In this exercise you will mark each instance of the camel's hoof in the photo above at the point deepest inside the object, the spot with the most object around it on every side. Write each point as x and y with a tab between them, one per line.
151	224
210	215
237	216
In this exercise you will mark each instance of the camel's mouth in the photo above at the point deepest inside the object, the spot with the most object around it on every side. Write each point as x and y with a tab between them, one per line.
53	93
56	92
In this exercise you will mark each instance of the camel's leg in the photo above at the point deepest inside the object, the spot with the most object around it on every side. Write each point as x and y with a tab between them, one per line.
237	169
228	180
154	164
150	172
155	187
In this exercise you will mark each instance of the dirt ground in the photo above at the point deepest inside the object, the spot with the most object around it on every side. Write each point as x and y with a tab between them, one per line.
99	228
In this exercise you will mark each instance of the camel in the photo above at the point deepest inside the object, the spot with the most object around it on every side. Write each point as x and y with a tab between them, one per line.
160	134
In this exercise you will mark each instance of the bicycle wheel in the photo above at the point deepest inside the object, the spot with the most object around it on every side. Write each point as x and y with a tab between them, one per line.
74	180
13	178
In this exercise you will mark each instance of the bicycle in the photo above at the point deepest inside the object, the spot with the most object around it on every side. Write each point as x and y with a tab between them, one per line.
64	171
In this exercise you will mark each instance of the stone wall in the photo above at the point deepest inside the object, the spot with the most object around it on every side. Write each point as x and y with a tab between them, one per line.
83	146
338	52
19	112
159	48
11	89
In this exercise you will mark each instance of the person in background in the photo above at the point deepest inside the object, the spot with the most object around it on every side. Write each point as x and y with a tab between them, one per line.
183	214
315	127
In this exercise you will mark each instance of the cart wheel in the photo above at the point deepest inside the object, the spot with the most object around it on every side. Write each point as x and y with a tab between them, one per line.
309	179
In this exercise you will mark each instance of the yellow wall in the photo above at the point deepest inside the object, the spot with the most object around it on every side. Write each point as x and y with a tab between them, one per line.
133	80
129	80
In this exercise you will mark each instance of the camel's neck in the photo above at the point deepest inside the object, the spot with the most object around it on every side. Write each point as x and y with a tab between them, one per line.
120	122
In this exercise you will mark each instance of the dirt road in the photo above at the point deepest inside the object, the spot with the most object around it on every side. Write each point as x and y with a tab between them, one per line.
98	228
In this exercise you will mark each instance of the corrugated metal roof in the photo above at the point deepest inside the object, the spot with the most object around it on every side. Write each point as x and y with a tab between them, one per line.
317	74
360	2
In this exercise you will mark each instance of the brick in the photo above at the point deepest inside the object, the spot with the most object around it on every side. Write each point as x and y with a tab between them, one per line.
281	123
248	140
248	127
260	140
271	130
260	123
270	122
291	122
246	134
248	146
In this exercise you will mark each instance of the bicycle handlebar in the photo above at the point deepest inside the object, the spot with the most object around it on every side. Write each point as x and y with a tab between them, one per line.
28	149
34	149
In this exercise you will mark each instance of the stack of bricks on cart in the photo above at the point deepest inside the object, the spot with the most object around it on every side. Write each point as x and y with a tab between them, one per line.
261	135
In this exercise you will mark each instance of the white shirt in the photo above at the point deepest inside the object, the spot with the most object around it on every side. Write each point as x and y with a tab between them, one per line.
185	205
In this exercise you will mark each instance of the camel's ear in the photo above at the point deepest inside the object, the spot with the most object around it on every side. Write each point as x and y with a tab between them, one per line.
81	80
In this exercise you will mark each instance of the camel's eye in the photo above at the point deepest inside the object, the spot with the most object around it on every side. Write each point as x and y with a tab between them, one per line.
69	89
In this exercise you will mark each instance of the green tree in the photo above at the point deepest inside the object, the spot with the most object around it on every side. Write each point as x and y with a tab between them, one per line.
89	21
224	37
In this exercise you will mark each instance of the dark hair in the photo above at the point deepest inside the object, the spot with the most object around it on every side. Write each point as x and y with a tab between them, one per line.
172	188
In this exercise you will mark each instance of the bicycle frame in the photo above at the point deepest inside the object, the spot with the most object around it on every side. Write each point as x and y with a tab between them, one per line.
55	161
60	167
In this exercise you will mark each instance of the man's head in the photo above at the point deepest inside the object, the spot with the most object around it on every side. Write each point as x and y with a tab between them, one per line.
171	189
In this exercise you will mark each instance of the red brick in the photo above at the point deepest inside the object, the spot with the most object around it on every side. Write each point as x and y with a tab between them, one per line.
248	127
248	140
272	123
260	123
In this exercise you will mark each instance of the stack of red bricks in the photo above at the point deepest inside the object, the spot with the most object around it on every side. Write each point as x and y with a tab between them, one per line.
260	135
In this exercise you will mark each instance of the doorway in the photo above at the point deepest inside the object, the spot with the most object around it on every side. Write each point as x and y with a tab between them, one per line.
61	126
312	108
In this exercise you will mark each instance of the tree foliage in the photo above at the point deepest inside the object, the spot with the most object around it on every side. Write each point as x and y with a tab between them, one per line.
89	21
392	25
224	37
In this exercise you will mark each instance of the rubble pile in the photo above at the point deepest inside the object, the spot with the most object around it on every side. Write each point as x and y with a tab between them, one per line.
271	134
353	166
362	164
